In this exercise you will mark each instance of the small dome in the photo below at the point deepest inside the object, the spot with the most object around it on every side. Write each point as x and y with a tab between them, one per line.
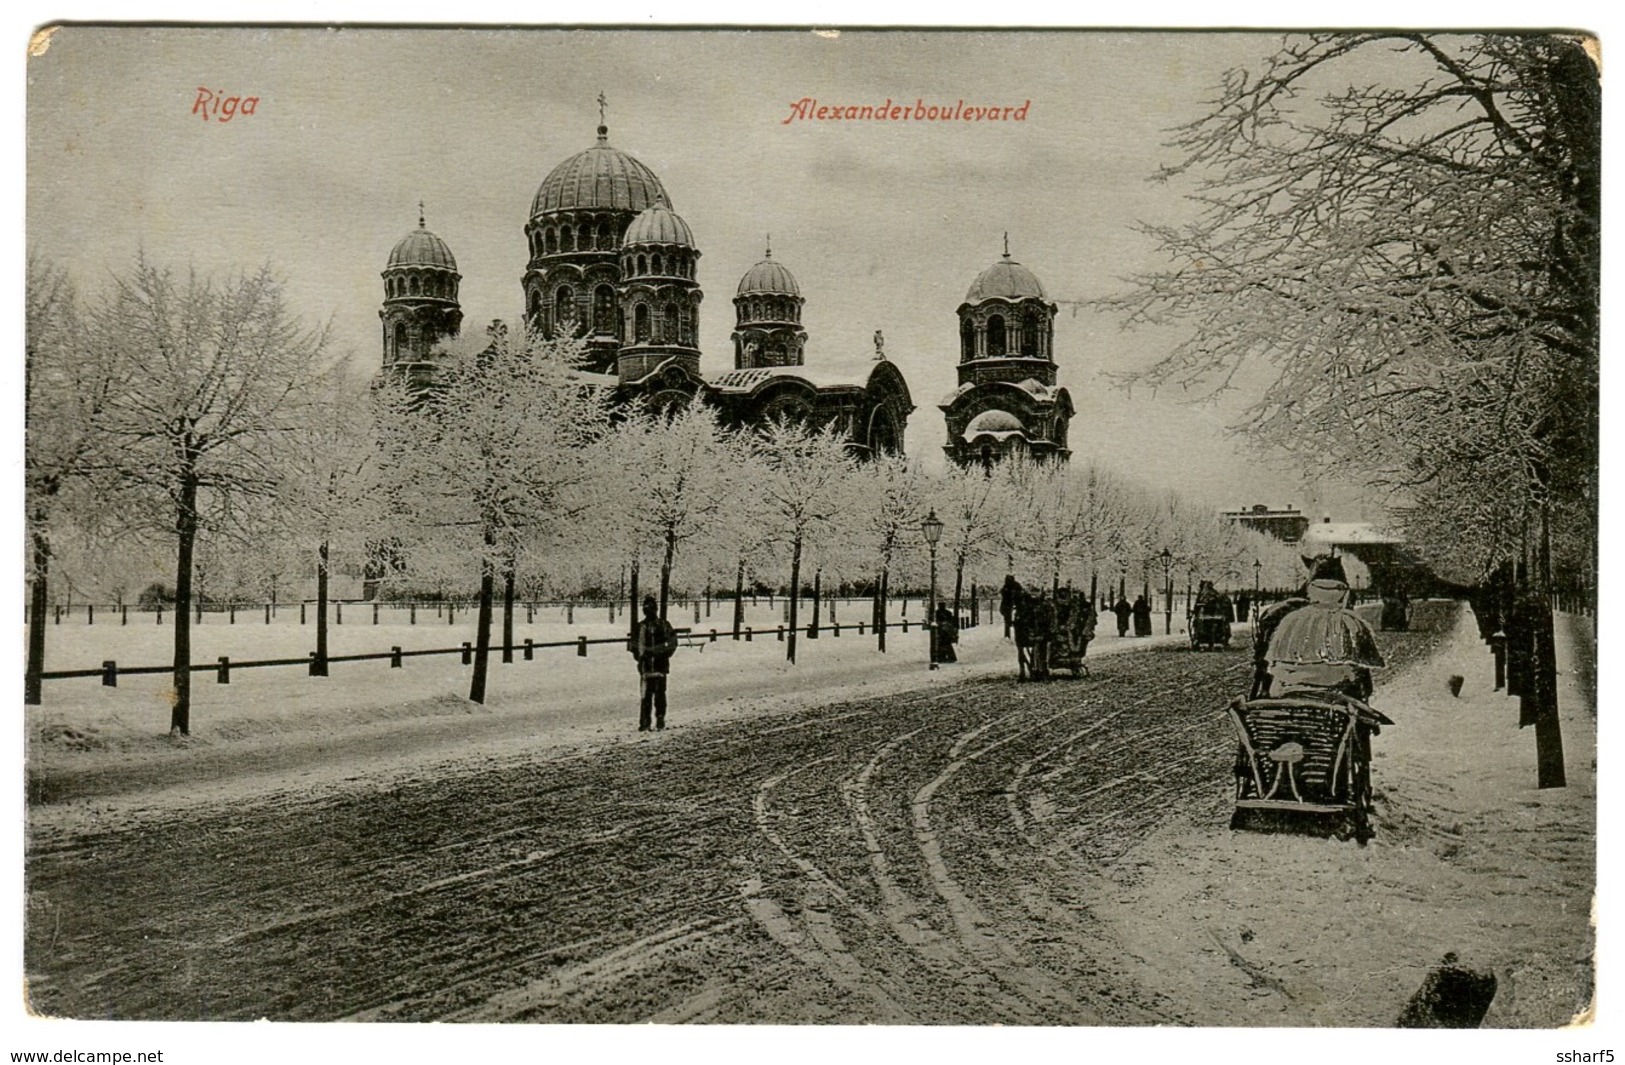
768	278
600	177
422	248
659	225
993	421
1005	279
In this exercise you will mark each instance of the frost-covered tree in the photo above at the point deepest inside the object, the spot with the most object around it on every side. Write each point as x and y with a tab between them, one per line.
670	482
804	475
494	453
886	500
216	379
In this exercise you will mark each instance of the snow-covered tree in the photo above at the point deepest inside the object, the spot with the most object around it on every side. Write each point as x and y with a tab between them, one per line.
804	475
492	455
216	377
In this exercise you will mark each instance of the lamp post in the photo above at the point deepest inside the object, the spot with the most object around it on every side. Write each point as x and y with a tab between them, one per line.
932	528
1167	592
1258	568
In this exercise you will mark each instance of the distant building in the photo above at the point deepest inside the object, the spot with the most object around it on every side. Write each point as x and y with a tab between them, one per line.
1007	402
1287	525
611	263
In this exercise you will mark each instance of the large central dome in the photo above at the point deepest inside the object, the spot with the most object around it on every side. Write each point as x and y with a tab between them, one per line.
600	177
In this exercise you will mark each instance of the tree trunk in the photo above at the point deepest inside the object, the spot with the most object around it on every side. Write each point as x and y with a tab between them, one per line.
507	612
319	667
883	593
1548	729
665	571
38	598
818	603
739	598
180	714
959	582
482	627
636	613
795	597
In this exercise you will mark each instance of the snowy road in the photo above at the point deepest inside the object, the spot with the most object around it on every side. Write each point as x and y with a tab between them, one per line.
924	857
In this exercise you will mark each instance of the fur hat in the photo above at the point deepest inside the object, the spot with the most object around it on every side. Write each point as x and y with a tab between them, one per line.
1326	568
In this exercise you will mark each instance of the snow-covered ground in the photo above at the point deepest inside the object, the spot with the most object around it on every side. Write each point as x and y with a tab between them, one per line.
277	727
1470	858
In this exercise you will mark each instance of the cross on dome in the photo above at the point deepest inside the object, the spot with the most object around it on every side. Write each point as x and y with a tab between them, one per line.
603	120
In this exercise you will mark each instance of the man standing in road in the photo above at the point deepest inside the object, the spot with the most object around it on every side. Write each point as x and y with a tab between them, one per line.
653	644
1123	612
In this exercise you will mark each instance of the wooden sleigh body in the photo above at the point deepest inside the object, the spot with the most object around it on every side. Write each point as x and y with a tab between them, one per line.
1305	755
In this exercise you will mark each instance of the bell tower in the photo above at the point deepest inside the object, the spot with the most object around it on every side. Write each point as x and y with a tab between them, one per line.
420	302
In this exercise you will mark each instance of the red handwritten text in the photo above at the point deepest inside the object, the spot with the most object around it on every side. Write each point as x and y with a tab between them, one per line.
216	105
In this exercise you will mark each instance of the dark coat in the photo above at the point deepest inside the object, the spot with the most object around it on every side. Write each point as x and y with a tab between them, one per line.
653	647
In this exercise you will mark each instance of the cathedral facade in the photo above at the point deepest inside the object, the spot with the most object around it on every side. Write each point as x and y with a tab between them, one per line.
1007	402
612	263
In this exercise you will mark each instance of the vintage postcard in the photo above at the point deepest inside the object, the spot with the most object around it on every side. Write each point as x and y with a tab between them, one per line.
1023	529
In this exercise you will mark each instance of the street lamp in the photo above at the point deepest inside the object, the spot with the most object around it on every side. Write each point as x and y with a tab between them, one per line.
932	528
1167	592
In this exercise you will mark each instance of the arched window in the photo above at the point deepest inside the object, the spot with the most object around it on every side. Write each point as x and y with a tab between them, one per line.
967	341
1029	336
552	241
643	264
640	323
687	336
995	337
400	340
412	285
535	311
567	240
656	263
603	236
564	304
671	324
603	309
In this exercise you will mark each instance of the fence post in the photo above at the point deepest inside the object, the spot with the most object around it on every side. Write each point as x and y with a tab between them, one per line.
301	613
781	633
124	615
223	674
581	647
530	649
314	671
375	613
394	658
468	653
835	630
860	628
713	635
109	674
338	613
748	633
905	623
90	613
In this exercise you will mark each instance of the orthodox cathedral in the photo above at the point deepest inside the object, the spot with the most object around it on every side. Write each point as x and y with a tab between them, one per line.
1007	401
612	263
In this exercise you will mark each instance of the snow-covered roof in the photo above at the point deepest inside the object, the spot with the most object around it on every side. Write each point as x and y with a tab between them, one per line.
1350	532
819	377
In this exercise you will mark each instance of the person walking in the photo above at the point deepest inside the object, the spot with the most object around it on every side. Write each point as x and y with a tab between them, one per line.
1142	616
944	634
652	645
1124	612
1009	601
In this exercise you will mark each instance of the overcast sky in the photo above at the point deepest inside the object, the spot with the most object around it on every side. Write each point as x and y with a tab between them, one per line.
885	224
